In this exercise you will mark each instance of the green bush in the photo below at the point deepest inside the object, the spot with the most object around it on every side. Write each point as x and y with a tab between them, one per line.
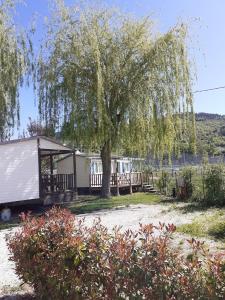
184	184
187	175
214	187
63	259
164	183
217	230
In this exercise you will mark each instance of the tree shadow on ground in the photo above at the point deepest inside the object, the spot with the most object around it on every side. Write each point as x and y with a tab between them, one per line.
193	207
186	207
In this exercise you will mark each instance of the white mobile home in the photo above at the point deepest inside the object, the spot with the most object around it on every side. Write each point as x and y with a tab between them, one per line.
21	174
89	171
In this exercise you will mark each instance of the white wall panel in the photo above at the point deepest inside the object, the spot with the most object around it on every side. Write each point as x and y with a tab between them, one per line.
19	173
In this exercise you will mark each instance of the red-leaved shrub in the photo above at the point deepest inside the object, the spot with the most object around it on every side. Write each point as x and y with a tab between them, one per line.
63	259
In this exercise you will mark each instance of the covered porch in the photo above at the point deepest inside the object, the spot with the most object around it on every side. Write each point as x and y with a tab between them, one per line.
55	187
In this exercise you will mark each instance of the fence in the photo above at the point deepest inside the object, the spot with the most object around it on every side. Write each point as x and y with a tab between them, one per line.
123	180
201	182
57	182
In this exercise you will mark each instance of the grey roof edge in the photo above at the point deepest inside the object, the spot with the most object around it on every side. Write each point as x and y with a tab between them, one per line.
36	137
53	141
19	140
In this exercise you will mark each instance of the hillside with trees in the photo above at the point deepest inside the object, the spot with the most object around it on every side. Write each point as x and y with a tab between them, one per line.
210	131
210	143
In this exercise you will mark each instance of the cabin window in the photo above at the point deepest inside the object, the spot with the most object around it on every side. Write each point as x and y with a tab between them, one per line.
96	167
126	167
123	167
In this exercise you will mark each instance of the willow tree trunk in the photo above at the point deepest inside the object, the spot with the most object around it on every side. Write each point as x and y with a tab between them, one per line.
106	168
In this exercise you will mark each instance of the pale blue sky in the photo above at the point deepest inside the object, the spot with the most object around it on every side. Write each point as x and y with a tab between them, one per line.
207	31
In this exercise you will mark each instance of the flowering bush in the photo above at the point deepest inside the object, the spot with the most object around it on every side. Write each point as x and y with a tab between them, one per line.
63	259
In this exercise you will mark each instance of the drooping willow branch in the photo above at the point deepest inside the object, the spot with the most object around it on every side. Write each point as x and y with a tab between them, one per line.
102	76
15	62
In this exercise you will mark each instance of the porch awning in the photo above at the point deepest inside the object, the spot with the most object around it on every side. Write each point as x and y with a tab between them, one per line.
49	146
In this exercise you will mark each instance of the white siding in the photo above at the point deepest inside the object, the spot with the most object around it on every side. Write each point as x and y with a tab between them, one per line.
19	179
65	166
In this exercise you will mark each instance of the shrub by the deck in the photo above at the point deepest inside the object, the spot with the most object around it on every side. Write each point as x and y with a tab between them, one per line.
63	259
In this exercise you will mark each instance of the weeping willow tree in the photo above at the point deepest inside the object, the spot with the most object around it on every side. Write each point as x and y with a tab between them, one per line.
112	83
14	62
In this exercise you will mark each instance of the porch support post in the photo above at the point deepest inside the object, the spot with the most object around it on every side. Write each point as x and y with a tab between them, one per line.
75	175
152	179
142	180
131	191
51	172
90	182
117	185
39	169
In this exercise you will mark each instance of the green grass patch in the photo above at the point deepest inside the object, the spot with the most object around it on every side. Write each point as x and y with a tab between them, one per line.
10	224
91	203
194	229
211	226
217	230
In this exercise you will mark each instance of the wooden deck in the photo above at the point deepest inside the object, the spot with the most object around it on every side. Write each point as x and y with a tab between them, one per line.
64	183
122	180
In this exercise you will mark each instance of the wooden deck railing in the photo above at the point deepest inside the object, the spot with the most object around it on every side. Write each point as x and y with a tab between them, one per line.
122	180
58	182
65	182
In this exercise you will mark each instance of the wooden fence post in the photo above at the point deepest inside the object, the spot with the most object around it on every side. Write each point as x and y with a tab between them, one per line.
90	183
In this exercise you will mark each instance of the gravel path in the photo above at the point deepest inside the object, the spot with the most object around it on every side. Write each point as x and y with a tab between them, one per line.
7	274
128	217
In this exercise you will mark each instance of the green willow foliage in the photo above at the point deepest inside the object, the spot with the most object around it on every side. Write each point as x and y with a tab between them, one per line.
105	78
14	63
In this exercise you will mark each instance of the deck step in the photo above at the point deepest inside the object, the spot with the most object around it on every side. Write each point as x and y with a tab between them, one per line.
151	191
148	188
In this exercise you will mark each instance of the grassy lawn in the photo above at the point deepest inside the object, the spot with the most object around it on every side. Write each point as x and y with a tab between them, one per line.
88	204
208	225
91	203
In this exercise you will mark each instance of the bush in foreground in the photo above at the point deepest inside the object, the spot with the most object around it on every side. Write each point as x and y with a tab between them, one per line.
63	259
